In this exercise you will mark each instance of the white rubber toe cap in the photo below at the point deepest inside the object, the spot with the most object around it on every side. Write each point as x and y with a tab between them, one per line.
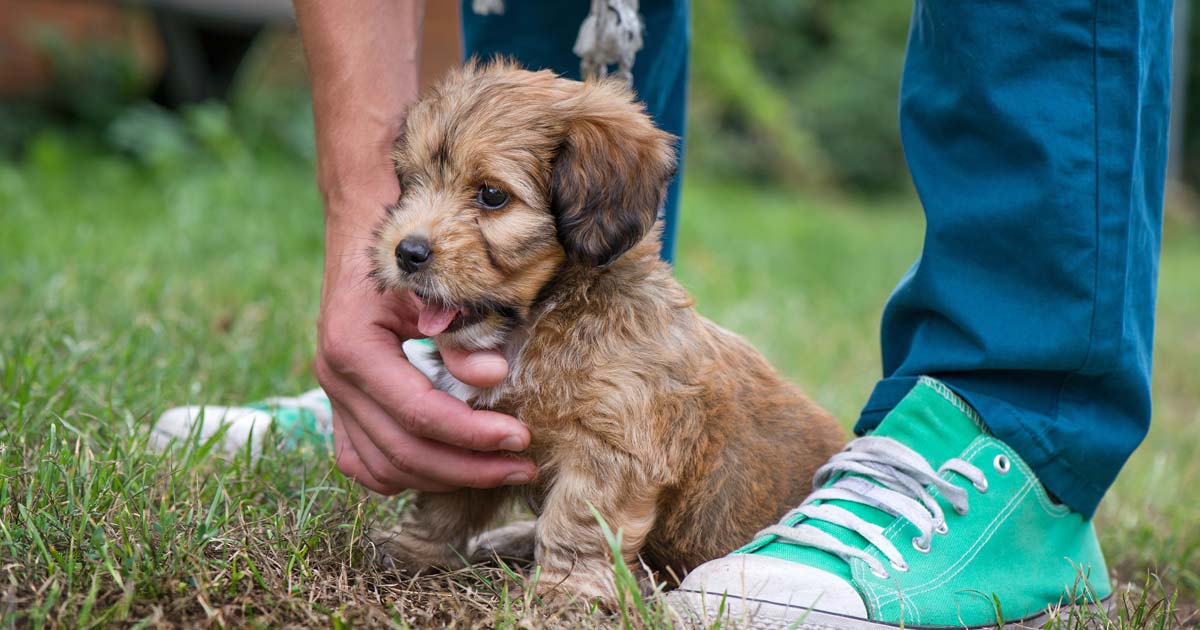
768	590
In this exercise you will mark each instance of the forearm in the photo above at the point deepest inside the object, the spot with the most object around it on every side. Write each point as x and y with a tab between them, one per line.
362	64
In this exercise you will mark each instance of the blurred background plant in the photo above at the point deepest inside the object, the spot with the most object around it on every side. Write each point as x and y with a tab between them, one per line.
799	91
114	78
787	92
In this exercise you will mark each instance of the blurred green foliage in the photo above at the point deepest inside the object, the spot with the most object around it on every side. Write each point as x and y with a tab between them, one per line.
91	86
794	91
799	90
783	91
100	98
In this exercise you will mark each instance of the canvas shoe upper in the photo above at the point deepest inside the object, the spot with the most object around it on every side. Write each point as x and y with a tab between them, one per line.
929	521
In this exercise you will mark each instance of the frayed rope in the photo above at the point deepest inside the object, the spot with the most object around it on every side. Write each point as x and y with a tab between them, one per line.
610	35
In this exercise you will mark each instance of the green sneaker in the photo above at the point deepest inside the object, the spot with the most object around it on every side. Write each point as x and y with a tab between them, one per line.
303	419
929	522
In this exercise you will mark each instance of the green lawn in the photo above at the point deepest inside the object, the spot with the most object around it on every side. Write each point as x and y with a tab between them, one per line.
126	289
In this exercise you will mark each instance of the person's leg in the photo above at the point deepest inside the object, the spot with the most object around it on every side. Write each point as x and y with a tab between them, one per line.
1036	136
542	34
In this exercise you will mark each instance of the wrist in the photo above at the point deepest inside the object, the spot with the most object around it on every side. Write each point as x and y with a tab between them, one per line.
358	201
355	167
351	218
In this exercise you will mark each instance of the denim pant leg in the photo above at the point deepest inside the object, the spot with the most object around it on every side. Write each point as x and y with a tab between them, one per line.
540	34
1035	133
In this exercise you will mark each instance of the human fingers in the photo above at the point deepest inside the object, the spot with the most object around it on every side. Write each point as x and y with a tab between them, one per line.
373	363
480	369
385	480
393	455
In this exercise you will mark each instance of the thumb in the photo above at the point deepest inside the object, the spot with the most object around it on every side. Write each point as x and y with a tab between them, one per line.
478	369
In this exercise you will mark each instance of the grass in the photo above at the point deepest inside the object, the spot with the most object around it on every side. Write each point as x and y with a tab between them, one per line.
125	289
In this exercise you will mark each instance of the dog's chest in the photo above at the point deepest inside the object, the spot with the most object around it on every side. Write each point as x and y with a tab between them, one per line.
550	386
541	399
509	397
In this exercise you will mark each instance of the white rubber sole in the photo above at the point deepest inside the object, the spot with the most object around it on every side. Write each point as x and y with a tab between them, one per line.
700	610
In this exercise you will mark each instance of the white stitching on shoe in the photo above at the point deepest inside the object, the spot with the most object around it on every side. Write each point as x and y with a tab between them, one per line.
874	595
1054	510
953	399
958	567
990	531
877	594
949	573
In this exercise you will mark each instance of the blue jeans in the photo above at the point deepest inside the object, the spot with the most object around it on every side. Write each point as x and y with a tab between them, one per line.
540	34
1035	133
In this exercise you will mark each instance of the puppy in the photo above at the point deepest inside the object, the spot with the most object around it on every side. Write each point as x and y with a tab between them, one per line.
527	223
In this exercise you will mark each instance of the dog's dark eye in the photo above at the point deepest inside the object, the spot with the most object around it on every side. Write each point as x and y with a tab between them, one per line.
492	198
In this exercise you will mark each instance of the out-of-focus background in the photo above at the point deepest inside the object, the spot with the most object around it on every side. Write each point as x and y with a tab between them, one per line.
784	91
160	243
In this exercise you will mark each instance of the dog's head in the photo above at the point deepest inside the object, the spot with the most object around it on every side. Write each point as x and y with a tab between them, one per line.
508	177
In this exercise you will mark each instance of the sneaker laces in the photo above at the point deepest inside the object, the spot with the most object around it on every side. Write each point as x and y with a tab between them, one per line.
885	474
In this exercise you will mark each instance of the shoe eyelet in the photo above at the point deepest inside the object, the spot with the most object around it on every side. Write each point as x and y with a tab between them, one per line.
942	528
1001	464
902	567
982	486
916	543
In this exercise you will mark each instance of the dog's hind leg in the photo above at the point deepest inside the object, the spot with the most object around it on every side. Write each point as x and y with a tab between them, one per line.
514	541
436	531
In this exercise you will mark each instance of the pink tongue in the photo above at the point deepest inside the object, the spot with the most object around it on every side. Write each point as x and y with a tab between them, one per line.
432	320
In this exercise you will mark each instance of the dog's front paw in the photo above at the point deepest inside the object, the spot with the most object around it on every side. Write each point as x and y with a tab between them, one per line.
579	586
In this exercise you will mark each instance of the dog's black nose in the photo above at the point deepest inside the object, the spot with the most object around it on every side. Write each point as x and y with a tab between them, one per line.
412	253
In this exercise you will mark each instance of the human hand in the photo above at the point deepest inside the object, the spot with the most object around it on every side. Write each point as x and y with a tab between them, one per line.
392	430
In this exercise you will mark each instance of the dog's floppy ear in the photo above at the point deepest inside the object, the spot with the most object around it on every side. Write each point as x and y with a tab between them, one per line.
610	175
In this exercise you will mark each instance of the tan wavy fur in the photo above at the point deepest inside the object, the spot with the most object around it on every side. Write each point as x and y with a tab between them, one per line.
677	431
